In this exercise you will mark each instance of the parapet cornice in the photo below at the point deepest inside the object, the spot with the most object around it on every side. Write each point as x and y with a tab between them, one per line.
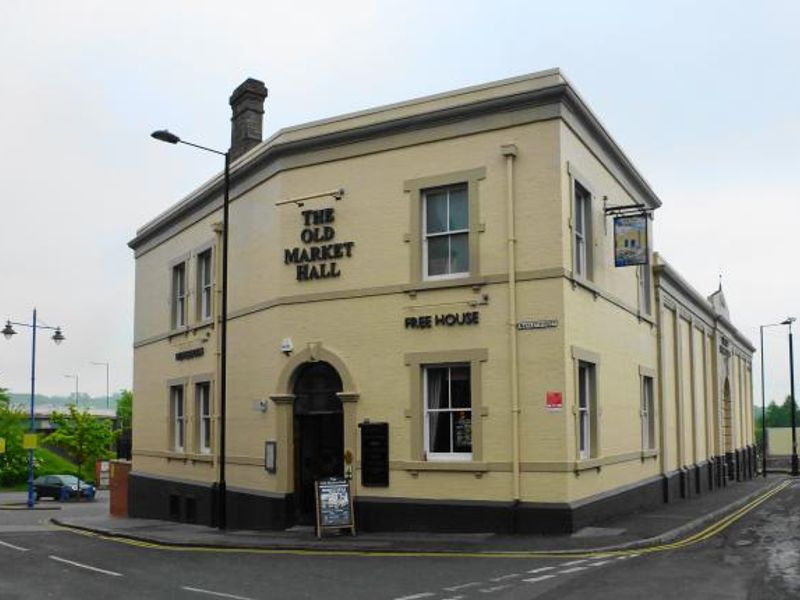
537	90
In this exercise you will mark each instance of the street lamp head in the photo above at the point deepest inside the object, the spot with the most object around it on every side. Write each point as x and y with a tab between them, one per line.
8	330
788	321
165	136
58	337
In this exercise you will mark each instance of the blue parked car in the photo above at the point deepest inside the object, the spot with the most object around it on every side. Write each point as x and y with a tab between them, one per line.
62	487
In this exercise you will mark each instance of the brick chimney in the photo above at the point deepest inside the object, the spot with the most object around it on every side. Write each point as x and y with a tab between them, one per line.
247	106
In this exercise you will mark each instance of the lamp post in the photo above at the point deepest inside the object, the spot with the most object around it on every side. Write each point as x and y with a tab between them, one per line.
105	364
165	136
764	403
795	465
75	377
57	337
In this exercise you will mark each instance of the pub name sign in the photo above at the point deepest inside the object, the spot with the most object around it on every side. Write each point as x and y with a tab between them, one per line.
318	257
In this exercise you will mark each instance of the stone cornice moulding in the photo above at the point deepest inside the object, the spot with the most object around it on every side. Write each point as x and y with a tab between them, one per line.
401	118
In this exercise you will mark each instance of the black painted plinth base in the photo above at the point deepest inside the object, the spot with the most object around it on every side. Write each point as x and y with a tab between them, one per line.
191	502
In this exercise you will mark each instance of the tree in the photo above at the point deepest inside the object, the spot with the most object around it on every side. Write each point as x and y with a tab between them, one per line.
14	462
125	409
781	416
82	435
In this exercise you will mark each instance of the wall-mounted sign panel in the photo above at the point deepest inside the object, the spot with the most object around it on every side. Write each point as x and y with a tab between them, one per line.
271	457
630	240
443	320
187	354
554	401
540	324
374	454
319	256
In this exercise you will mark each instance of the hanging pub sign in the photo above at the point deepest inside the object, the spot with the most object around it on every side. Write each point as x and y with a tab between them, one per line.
630	240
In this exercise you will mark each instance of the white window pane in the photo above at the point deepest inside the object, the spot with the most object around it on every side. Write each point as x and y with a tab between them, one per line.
438	255
584	433
462	431
580	256
459	387
459	253
459	209
206	268
439	431
437	388
435	212
578	214
583	377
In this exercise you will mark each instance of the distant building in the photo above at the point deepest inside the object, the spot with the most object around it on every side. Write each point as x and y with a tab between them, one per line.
423	296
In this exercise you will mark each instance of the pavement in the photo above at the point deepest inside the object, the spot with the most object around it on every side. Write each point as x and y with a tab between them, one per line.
664	524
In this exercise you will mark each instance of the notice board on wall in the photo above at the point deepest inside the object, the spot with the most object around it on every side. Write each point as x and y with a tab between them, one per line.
374	454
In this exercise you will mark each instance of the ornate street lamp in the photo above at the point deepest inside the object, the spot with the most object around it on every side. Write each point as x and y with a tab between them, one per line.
57	337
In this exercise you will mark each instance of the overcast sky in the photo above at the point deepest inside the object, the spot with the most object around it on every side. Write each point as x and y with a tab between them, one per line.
703	97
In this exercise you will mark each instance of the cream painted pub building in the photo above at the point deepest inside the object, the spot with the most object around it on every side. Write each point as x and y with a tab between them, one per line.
423	298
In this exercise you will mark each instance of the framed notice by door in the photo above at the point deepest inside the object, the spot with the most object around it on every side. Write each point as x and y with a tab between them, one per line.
334	505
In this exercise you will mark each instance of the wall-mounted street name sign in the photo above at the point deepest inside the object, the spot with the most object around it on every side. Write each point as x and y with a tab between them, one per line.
187	354
317	259
443	320
541	324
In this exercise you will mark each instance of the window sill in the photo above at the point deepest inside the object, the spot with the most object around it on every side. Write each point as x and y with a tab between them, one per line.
441	466
437	284
174	455
187	329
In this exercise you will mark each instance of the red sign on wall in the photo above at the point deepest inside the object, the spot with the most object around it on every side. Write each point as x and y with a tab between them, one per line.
554	401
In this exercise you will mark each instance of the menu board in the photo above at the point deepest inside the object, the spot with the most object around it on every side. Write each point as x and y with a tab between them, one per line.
334	505
374	454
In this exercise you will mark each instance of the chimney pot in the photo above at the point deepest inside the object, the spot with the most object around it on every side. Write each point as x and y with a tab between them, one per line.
247	108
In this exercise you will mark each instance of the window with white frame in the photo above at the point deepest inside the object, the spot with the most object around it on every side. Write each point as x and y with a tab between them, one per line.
582	223
202	393
645	305
448	412
178	417
445	227
179	295
586	409
648	414
204	284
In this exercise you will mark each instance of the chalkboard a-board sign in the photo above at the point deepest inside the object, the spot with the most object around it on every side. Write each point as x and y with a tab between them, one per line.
374	454
334	505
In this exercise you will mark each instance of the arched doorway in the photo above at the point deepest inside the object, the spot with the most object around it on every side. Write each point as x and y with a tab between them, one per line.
318	433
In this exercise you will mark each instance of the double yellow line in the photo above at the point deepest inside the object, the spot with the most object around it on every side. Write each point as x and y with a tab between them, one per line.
695	538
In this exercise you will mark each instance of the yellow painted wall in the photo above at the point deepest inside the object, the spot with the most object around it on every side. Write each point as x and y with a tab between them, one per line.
699	399
359	318
669	404
779	440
